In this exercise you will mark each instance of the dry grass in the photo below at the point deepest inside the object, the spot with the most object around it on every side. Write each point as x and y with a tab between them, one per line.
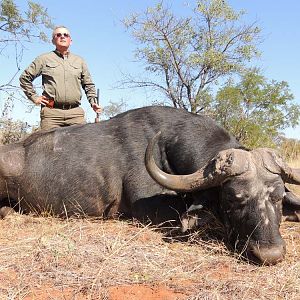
49	258
296	164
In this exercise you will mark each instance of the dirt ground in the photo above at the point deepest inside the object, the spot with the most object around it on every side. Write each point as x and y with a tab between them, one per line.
48	258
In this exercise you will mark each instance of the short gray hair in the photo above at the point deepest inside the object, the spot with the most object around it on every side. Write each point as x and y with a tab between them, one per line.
60	26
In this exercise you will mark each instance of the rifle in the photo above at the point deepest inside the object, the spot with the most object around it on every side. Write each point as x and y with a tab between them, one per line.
97	119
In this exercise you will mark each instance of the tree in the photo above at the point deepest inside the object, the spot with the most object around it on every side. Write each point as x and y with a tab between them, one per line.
255	110
12	131
186	55
114	108
18	28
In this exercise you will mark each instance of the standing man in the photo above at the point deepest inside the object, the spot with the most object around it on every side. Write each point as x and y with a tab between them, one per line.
63	76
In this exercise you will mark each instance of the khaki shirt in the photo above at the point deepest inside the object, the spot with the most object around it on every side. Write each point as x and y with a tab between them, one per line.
62	78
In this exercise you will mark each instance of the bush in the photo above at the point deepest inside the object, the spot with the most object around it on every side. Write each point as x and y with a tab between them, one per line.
290	149
13	131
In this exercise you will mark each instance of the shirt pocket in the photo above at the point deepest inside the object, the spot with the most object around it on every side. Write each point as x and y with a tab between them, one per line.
75	69
50	68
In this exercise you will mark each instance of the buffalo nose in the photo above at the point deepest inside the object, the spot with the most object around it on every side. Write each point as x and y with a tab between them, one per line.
268	254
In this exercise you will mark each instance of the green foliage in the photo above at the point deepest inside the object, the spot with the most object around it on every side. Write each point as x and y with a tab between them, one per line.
188	54
256	110
17	26
185	55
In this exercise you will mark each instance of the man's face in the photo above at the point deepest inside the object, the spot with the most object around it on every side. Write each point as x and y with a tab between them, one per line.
62	39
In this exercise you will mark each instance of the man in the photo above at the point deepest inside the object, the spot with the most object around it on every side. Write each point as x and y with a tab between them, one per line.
63	75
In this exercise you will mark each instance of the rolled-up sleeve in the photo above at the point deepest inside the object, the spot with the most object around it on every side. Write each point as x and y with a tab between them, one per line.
34	70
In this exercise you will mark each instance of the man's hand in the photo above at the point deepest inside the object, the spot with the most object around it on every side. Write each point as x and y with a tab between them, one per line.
97	108
43	100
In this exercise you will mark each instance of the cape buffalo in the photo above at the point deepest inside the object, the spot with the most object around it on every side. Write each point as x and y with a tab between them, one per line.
99	170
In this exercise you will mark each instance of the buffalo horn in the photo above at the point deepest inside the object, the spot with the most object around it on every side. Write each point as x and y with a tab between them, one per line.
227	163
275	164
293	176
291	199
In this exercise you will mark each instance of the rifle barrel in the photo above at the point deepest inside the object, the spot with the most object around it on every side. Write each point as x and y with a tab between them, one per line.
98	102
98	97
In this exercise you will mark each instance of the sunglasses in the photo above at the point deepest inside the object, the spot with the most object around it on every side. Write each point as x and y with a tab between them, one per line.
59	34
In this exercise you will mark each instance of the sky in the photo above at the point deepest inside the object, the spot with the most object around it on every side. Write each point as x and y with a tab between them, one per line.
100	38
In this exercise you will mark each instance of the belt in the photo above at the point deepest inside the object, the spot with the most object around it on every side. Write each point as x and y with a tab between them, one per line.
65	106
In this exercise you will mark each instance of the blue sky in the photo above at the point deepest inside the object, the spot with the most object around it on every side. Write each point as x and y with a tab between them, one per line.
99	36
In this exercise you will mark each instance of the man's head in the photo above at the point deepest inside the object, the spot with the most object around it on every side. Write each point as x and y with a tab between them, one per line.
61	38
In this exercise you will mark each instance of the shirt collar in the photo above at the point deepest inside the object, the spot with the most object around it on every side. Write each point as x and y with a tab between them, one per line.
60	55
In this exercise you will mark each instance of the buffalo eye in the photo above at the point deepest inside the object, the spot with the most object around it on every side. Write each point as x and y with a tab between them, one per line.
234	195
277	194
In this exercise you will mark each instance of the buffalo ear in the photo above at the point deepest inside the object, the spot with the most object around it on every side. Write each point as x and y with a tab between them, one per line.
291	207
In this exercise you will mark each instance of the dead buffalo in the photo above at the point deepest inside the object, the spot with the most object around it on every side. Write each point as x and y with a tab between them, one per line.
99	170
